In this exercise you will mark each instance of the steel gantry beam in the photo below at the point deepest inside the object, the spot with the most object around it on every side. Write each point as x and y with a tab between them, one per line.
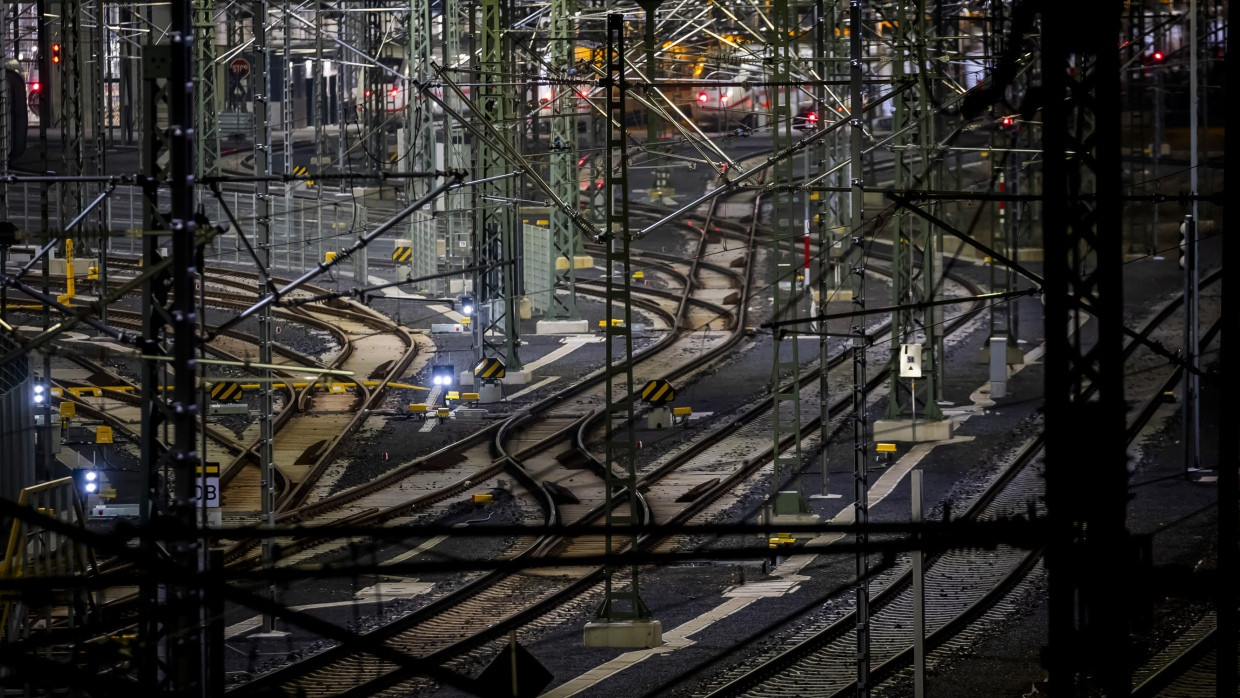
497	238
565	240
1086	479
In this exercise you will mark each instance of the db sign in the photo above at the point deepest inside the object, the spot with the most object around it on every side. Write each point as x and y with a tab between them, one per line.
208	492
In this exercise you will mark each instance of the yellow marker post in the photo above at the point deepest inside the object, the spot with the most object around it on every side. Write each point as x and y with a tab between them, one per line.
70	290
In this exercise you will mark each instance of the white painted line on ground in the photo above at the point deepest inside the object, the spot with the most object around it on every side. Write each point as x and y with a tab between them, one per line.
415	552
532	386
569	345
257	621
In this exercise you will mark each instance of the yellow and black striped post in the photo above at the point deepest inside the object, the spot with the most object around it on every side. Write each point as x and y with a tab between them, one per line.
227	392
658	391
402	255
489	369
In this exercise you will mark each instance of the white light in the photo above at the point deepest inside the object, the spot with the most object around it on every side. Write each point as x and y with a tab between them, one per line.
91	476
91	487
38	398
467	310
38	389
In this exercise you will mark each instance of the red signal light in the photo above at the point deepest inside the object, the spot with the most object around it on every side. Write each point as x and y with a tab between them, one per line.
35	87
1157	56
1007	122
812	117
702	97
366	93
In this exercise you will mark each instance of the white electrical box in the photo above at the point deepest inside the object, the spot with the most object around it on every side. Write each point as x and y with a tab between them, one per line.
910	361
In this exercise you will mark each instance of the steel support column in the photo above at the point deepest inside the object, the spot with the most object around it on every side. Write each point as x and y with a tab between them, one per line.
830	50
497	232
205	104
565	241
788	247
260	96
172	625
622	502
419	155
72	129
913	277
1086	479
860	344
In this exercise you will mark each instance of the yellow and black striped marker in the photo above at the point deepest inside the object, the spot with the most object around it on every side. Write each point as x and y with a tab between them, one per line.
657	391
489	368
402	254
227	392
302	171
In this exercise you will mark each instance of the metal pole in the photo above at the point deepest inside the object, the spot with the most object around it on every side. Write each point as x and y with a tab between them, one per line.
260	84
919	594
861	432
1192	438
1189	411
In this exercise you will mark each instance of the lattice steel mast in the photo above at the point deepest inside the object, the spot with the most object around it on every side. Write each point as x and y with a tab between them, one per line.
787	287
565	241
913	241
172	623
419	155
1086	479
496	233
621	498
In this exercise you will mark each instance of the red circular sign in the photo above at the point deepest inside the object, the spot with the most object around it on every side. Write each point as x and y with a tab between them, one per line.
239	67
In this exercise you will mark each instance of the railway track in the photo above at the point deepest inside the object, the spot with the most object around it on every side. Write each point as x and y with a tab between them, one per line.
312	424
330	672
820	659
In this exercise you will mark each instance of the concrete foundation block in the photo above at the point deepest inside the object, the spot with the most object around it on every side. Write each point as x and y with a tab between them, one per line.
490	392
1014	355
563	326
797	519
659	418
906	430
624	633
